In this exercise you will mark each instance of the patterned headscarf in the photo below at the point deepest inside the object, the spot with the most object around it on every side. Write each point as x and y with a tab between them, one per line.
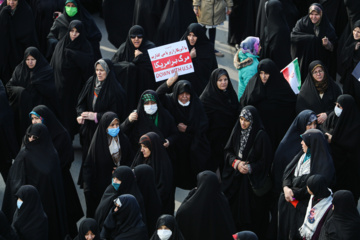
250	45
148	97
245	133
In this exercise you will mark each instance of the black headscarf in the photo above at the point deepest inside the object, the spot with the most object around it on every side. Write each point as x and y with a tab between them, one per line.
307	46
204	62
18	33
318	186
30	221
126	223
170	222
308	97
289	146
353	11
88	224
205	212
128	186
145	177
163	170
271	100
246	235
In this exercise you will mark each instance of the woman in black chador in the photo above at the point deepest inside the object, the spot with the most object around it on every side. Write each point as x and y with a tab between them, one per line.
73	10
201	53
72	62
343	130
102	93
164	224
222	109
248	157
192	150
109	149
313	37
133	66
314	158
38	164
154	154
88	229
32	83
30	220
17	27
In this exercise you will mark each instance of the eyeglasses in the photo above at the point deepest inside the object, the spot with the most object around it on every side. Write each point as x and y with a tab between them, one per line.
134	36
32	136
318	72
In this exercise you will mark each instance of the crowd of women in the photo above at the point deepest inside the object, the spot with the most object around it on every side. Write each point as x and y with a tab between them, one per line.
264	162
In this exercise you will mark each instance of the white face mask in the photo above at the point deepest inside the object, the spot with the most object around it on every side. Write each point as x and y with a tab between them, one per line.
337	111
164	234
150	109
184	104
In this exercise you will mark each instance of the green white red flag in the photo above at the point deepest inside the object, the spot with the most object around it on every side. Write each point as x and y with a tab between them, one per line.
292	74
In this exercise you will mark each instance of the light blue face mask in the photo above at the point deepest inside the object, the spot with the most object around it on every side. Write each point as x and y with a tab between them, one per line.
116	185
113	131
19	203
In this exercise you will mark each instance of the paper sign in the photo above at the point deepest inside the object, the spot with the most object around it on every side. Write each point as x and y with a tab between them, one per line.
356	72
171	58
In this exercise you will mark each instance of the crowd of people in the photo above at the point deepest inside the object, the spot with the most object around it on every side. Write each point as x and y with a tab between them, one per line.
261	162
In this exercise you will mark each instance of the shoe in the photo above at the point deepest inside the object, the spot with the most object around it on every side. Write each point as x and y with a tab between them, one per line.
219	54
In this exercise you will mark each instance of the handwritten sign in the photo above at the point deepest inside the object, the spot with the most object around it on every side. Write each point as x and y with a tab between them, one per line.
171	58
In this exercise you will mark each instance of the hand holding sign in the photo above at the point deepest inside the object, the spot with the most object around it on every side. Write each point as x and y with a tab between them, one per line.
172	80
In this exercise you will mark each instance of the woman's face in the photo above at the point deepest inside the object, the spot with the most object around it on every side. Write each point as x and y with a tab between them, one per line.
318	74
89	235
100	73
70	4
311	125
315	17
12	3
192	38
145	151
74	34
35	119
244	123
32	137
222	83
356	33
30	62
264	76
304	146
136	40
184	97
149	103
163	227
114	124
116	180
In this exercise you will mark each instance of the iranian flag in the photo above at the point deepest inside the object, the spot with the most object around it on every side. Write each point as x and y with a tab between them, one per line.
292	74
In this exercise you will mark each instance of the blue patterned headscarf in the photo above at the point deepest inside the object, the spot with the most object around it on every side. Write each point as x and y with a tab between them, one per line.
250	45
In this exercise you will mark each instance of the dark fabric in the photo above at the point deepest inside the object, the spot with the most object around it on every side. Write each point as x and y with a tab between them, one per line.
6	231
128	186
72	62
145	177
344	221
99	164
242	11
60	28
222	110
118	17
165	128
289	147
29	88
176	17
337	14
345	131
147	13
8	143
205	212
126	223
291	218
248	210
163	171
318	186
88	224
308	97
111	97
204	62
276	42
192	150
170	222
272	100
17	34
63	145
246	235
307	47
349	58
134	73
30	221
38	164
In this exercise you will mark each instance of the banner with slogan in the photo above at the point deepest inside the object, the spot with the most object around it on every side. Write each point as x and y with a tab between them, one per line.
171	58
